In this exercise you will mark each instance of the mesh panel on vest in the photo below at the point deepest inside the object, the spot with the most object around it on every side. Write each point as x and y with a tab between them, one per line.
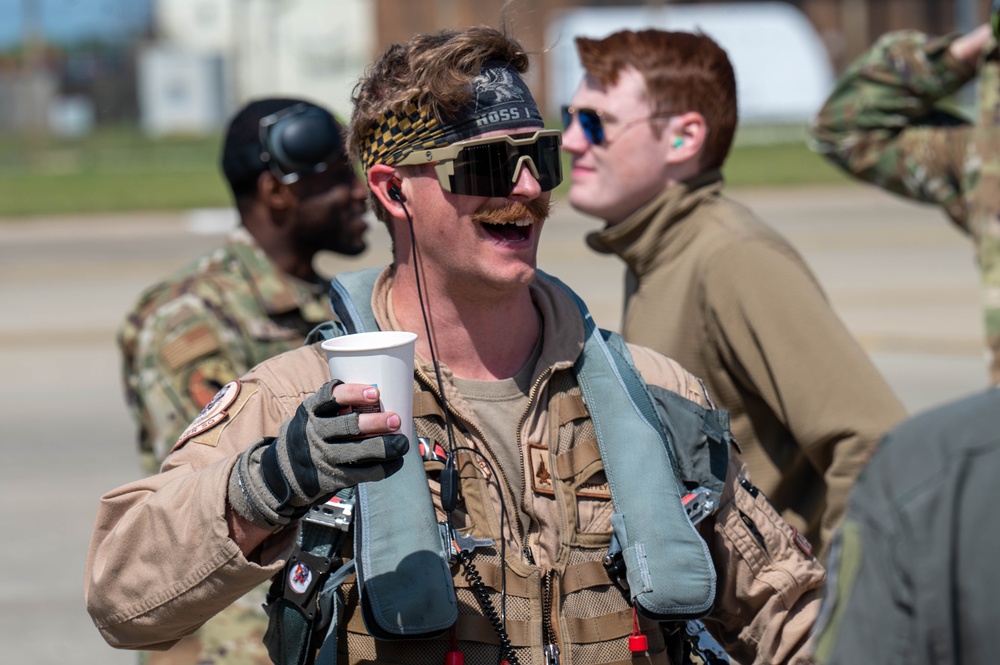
603	614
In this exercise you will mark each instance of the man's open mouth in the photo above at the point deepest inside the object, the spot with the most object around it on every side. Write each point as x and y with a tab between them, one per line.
515	231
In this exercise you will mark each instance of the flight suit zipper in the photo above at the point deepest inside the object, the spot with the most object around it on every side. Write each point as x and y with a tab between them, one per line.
551	648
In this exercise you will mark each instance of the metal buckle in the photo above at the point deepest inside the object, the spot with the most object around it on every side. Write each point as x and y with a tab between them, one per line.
453	542
336	513
614	564
699	503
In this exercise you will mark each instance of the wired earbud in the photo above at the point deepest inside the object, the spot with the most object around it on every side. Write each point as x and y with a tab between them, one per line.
396	190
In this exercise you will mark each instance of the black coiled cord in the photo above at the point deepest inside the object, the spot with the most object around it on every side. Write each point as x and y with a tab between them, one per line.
483	598
449	485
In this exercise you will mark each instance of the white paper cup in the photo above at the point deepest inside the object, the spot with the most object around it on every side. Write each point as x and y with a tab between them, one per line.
383	359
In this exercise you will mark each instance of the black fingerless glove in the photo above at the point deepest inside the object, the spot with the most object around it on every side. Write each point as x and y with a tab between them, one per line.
318	452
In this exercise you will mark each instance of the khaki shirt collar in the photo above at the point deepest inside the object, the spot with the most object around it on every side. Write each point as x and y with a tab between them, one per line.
642	239
562	323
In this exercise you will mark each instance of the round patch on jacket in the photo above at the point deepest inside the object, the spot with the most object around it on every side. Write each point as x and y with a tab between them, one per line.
214	412
299	577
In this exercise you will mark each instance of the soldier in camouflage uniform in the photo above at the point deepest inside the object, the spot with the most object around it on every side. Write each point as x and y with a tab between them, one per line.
255	297
883	124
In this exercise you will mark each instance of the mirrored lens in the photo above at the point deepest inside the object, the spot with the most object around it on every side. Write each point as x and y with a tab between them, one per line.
567	117
481	170
593	127
546	156
590	123
489	169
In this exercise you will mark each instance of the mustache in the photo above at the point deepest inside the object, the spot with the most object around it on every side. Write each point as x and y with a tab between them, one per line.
536	210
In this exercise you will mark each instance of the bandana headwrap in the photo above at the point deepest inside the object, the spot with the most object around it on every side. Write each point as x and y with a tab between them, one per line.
500	100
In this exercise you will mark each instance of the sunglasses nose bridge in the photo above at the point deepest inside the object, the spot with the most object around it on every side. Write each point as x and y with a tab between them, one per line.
524	161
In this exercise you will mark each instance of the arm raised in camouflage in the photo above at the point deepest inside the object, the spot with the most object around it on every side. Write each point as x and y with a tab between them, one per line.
882	123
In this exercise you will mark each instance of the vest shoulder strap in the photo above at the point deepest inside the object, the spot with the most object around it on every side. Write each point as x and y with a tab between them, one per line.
350	304
351	299
698	438
404	580
668	567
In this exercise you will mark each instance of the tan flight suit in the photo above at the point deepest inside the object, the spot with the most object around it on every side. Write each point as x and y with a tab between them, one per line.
161	558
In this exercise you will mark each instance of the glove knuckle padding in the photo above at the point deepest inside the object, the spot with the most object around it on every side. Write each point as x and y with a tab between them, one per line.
373	450
333	430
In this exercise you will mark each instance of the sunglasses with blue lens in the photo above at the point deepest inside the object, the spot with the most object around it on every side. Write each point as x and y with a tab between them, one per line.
592	122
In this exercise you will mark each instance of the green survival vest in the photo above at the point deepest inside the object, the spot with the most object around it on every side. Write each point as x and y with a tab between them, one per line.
648	438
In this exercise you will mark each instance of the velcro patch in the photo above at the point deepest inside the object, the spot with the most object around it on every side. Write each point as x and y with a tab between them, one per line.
596	487
541	474
214	413
193	344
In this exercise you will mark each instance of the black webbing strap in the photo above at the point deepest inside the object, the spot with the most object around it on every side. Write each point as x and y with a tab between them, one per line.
301	603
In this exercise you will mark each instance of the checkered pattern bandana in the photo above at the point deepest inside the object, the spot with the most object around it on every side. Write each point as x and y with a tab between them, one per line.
396	136
500	100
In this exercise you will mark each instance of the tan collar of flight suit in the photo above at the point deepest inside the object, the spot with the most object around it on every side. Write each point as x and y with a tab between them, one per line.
654	232
570	527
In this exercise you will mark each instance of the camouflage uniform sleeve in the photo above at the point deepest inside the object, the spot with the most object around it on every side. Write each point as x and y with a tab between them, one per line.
175	358
881	123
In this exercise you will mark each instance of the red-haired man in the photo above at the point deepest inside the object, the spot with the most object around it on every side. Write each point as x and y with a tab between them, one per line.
708	283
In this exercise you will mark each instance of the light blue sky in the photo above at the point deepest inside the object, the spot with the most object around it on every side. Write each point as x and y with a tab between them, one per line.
69	20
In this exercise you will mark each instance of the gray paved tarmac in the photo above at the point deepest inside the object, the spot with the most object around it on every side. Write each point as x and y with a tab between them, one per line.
901	278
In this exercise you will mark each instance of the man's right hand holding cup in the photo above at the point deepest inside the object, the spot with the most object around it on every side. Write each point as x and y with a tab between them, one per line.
325	447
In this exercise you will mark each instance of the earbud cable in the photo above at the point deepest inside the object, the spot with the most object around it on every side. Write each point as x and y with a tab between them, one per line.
448	502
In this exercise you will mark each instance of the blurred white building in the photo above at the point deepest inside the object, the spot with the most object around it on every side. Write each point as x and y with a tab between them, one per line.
783	72
236	50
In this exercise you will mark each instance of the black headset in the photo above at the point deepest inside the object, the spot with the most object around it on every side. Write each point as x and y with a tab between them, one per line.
299	140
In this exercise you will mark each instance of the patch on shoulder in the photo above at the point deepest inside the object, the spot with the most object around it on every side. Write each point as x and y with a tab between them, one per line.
207	378
214	413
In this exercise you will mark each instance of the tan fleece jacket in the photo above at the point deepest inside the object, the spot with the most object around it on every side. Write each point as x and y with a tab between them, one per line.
714	288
